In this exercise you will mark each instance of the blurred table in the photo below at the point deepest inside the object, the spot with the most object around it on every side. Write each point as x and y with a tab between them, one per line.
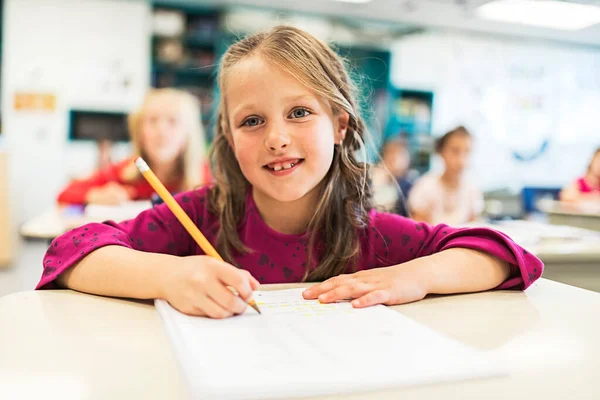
571	255
585	215
69	345
58	220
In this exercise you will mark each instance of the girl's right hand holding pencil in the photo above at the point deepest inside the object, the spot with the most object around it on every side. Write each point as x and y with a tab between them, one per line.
198	285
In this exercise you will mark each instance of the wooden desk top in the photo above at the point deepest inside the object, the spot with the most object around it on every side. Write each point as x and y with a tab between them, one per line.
78	346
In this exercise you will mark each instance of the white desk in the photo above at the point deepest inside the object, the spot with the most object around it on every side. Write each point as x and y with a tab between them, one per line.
55	221
571	255
580	215
67	345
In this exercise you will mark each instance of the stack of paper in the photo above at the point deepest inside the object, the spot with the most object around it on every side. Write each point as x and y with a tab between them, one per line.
300	348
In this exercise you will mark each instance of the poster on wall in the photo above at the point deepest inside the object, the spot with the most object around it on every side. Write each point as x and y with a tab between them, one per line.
31	101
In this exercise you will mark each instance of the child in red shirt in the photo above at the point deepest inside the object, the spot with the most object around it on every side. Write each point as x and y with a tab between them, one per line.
167	132
586	188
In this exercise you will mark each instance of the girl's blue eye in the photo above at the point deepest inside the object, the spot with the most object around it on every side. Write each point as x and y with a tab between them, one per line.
252	121
300	113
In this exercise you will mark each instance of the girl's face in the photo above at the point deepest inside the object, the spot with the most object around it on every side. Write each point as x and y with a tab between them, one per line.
595	165
396	159
162	132
456	152
282	133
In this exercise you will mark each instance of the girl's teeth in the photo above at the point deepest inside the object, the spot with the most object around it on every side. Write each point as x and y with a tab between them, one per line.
280	166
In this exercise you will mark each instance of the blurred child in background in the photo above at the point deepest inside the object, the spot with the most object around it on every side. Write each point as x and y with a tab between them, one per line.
390	183
167	132
586	188
448	198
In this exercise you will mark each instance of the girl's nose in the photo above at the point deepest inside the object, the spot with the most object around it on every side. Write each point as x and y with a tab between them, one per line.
277	139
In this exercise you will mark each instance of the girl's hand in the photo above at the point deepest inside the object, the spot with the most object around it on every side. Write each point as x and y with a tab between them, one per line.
198	286
110	194
390	286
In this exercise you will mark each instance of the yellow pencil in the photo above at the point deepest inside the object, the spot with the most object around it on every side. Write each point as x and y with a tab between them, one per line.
176	209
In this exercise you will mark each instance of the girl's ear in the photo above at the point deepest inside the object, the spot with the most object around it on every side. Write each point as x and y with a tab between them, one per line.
230	141
227	133
343	118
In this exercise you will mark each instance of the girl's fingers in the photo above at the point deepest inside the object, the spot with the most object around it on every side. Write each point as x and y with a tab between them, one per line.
211	309
226	298
351	290
379	296
237	279
324	287
254	283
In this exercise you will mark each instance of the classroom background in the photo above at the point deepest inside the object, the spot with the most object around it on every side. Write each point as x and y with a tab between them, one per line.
527	87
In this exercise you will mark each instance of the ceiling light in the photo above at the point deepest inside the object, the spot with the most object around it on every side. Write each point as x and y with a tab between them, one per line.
354	1
541	13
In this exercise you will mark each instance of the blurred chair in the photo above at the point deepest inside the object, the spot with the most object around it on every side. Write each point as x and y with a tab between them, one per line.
502	204
530	196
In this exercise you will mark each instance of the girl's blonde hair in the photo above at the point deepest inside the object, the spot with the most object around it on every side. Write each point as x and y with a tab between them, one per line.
191	161
345	193
596	154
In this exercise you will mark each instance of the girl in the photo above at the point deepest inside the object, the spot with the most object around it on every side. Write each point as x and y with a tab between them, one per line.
587	187
166	131
448	198
291	204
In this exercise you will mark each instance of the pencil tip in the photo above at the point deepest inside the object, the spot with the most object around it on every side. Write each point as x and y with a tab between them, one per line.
253	305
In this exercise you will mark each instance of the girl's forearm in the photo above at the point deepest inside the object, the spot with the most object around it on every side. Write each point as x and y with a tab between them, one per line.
461	271
120	272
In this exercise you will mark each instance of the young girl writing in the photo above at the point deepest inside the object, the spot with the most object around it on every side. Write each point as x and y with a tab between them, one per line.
166	131
448	198
291	203
586	188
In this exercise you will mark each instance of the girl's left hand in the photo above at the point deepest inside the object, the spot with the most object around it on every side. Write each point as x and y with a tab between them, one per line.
398	284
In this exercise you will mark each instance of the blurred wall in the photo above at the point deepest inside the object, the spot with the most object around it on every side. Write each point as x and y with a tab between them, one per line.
89	54
514	95
95	54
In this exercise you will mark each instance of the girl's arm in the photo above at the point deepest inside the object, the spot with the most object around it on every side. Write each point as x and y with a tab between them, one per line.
153	231
411	260
420	203
570	193
446	272
77	190
119	271
150	256
193	285
460	270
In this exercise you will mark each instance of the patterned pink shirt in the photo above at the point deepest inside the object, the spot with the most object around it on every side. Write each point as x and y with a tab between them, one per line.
280	258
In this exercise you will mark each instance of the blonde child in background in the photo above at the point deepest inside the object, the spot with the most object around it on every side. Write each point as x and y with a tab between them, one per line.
167	132
586	188
291	203
448	198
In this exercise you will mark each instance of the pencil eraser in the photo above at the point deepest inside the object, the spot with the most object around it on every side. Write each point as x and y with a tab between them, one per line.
141	164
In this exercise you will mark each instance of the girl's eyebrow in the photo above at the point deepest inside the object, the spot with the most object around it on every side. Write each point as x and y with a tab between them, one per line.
299	98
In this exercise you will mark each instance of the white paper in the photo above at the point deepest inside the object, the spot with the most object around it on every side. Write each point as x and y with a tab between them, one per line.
300	348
